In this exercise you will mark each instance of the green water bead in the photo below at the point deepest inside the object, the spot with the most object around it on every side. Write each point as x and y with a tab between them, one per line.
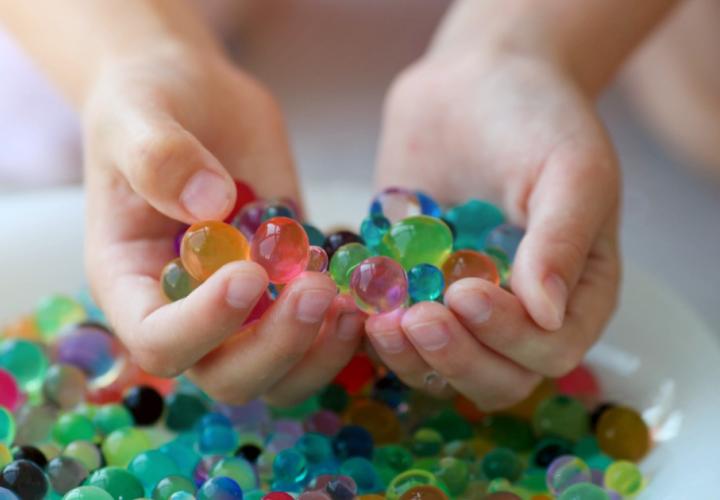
390	460
109	418
72	427
236	468
149	467
373	229
508	431
120	483
586	447
84	452
407	480
418	240
176	281
172	484
584	491
563	417
300	411
183	410
87	493
473	220
455	473
451	425
624	477
7	426
502	463
334	397
122	445
26	361
344	261
55	312
427	442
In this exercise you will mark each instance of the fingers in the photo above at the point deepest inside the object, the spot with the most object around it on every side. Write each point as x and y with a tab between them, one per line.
489	380
335	345
498	319
575	195
254	360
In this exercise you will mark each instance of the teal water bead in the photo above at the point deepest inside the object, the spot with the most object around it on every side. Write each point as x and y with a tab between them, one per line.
217	439
363	473
170	485
473	221
109	418
88	493
373	229
316	448
72	427
290	466
182	495
120	483
418	240
7	427
427	442
149	467
220	488
55	312
563	417
183	454
345	259
425	282
455	473
584	491
64	386
121	446
183	410
26	361
237	469
502	463
624	477
315	236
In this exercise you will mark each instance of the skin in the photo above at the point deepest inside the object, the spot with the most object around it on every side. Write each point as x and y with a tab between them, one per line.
507	95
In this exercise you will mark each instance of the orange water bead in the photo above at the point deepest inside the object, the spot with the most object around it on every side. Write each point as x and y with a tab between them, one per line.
468	409
469	264
380	421
424	492
24	328
280	246
207	246
622	433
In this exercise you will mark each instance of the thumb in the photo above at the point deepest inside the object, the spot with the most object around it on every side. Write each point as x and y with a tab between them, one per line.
171	169
574	196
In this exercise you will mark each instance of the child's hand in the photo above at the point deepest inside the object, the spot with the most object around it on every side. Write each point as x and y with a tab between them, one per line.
165	135
517	130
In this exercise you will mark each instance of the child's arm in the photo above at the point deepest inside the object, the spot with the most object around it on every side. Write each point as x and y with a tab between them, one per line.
502	106
168	122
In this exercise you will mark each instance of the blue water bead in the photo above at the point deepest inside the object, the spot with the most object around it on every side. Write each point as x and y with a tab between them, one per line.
363	473
220	488
91	348
353	441
372	230
505	238
213	418
428	206
182	453
6	494
217	438
278	209
290	466
473	221
150	467
425	282
315	236
316	448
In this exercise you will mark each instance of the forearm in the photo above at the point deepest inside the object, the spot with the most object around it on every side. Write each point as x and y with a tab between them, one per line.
590	38
72	41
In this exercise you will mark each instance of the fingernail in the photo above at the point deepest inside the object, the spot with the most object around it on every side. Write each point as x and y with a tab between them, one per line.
312	304
472	304
347	326
206	195
429	336
389	341
243	289
556	295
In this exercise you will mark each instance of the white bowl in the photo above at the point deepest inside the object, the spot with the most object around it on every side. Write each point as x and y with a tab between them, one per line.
657	355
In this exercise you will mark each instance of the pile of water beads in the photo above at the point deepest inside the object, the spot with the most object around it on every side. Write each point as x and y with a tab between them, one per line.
407	250
79	421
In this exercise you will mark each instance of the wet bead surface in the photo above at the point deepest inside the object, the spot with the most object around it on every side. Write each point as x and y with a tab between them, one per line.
622	433
176	281
379	285
344	261
418	240
469	264
280	246
207	246
425	282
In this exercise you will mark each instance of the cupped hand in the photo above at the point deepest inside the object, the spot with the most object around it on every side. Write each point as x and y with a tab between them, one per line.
515	129
165	134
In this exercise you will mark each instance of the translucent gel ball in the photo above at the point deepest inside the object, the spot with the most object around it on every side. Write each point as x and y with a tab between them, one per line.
335	240
502	463
170	485
118	482
244	194
622	433
176	281
584	491
561	416
279	209
94	350
238	469
473	221
26	361
315	236
10	396
396	204
290	466
317	260
505	238
55	312
7	427
425	282
122	445
469	264
624	477
207	246
64	386
566	471
88	493
372	230
280	246
379	285
418	240
248	220
344	261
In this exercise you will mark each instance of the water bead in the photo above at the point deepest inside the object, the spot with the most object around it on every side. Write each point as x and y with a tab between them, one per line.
25	479
624	477
94	350
182	495
88	493
170	485
425	282
379	419
290	466
55	312
207	246
508	431
112	417
176	281
335	240
341	488
584	491
278	209
357	374
280	246
407	480
379	285
238	469
455	473
353	441
315	236
5	455
428	206
25	361
473	221
151	466
249	218
425	492
121	446
502	264
418	240
10	396
64	386
316	448
120	483
317	260
426	442
184	410
566	471
561	416
7	427
65	473
6	494
244	194
277	495
622	433
145	404
502	463
396	204
71	427
363	473
334	397
344	261
373	229
469	264
31	453
505	238
217	439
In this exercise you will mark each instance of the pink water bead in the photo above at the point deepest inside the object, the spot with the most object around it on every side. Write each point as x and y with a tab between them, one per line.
280	245
379	285
10	395
317	259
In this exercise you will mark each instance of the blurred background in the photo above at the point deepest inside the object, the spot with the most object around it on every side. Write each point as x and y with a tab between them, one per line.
330	64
